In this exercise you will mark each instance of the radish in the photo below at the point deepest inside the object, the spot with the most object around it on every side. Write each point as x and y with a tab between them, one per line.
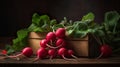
60	32
41	53
51	36
26	52
105	50
52	53
71	53
44	44
62	52
4	52
60	42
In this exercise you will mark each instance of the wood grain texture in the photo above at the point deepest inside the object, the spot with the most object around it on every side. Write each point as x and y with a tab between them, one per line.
111	60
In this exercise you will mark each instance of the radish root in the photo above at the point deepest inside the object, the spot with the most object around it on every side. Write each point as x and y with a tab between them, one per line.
75	57
36	59
65	58
99	56
17	57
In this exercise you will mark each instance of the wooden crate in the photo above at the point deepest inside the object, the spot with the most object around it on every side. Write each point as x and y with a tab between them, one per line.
84	47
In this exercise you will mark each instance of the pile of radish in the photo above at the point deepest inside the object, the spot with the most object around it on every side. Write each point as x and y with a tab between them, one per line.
54	45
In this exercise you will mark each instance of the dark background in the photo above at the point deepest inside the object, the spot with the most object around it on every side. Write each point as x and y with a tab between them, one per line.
16	14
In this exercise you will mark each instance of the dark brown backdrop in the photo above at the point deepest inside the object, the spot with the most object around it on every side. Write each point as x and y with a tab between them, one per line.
16	14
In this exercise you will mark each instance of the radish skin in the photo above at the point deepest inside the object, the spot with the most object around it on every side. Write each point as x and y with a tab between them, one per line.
51	36
60	32
62	52
41	53
71	53
106	51
60	42
52	53
43	43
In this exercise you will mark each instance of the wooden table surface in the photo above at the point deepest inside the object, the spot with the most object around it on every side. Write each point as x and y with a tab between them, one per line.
110	60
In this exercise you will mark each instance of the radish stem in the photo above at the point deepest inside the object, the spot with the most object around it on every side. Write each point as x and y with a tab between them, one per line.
51	58
99	56
75	57
97	39
52	46
36	59
18	57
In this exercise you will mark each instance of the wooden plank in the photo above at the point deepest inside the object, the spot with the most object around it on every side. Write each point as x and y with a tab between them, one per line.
110	60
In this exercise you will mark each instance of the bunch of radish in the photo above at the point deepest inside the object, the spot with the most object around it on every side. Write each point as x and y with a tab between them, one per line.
54	45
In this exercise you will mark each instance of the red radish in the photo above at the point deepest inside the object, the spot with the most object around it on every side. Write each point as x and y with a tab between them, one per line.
4	52
71	53
43	43
41	53
105	50
60	32
26	52
51	36
60	42
52	53
62	52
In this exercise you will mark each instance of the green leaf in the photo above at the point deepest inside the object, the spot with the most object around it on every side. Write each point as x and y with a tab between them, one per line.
100	33
111	18
35	19
22	33
80	34
8	46
43	22
44	19
34	28
117	39
53	22
21	40
81	25
56	26
88	17
70	32
19	43
10	51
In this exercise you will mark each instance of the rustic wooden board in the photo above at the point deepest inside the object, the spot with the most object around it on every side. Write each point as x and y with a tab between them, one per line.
110	60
